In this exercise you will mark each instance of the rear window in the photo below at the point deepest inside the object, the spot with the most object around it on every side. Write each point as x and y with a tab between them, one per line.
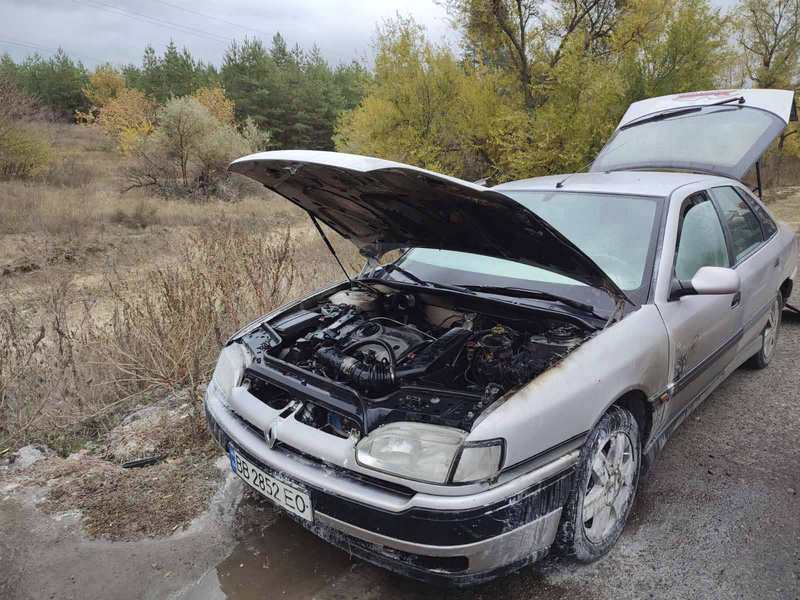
722	138
740	220
767	223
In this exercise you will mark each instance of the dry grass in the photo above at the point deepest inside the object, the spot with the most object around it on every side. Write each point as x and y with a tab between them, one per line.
110	299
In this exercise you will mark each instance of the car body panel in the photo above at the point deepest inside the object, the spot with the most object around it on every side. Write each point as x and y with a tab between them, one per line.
568	399
381	205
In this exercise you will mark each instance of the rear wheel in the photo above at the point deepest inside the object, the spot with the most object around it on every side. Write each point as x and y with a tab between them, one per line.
769	337
607	475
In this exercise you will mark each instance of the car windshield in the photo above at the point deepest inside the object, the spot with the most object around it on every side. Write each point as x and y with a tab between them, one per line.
615	231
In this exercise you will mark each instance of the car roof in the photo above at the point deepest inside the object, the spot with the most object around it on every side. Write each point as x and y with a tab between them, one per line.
644	183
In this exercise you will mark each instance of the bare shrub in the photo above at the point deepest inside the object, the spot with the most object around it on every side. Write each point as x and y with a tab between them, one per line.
168	326
50	387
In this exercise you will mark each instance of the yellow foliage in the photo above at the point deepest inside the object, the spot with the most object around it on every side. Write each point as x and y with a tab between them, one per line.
128	117
217	103
23	153
425	108
105	84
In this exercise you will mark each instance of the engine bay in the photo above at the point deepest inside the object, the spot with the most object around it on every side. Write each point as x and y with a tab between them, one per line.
405	357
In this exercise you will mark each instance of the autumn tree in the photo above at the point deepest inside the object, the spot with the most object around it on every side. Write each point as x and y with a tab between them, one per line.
670	46
217	102
768	32
424	108
127	118
189	150
104	84
530	37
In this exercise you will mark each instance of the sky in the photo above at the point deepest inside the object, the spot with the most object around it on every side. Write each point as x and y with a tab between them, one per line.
116	31
96	31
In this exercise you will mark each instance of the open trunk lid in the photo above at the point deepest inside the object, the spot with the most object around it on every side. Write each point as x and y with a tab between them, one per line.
722	132
381	205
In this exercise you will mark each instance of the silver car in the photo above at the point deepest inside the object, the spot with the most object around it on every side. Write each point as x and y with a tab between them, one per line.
498	388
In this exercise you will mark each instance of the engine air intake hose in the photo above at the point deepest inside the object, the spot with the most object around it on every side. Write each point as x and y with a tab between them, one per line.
370	377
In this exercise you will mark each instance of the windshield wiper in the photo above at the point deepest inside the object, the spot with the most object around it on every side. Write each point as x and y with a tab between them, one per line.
442	286
680	112
534	295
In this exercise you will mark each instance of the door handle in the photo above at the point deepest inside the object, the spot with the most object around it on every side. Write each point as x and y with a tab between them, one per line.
777	262
737	298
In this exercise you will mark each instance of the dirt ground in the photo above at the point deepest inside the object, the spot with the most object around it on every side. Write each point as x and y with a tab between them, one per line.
718	517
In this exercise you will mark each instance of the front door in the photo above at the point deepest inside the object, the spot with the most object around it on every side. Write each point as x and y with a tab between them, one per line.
704	331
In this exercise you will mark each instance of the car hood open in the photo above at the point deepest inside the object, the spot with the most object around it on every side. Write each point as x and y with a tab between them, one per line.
381	205
722	132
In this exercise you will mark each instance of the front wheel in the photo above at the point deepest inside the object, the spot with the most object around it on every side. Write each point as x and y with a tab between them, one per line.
607	475
769	337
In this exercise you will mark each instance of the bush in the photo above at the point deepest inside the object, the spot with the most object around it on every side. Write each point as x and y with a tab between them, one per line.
23	153
167	329
188	152
128	118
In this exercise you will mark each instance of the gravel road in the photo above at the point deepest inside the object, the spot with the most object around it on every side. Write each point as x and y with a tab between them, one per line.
718	517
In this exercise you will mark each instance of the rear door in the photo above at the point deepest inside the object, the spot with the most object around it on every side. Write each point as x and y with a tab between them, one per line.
704	331
759	269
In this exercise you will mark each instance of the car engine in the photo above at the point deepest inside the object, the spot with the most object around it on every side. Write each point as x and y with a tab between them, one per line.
379	343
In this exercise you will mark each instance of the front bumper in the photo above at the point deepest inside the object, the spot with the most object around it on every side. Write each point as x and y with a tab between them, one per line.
460	540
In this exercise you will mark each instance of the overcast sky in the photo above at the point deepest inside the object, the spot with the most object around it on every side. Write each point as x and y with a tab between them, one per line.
118	30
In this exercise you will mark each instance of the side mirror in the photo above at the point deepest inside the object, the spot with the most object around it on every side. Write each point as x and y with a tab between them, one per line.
708	281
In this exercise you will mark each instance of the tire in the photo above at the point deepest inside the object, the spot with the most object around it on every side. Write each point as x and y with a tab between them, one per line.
769	337
588	539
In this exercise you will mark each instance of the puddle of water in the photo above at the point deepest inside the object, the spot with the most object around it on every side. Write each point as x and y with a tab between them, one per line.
281	560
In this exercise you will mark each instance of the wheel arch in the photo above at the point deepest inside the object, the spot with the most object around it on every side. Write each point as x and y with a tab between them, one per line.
786	289
635	401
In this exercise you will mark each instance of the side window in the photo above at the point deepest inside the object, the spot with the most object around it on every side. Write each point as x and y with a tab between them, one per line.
701	240
768	226
742	223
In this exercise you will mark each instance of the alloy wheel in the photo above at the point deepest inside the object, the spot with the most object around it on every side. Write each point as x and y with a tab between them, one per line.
771	330
609	487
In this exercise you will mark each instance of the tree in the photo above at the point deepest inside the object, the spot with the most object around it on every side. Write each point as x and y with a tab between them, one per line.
103	85
769	33
174	74
530	37
424	108
217	103
292	93
189	150
670	46
56	82
128	117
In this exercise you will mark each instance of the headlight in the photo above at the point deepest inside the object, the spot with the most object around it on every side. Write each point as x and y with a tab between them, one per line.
232	362
427	453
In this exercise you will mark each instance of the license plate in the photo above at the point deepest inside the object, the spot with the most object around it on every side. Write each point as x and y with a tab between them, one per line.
285	496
